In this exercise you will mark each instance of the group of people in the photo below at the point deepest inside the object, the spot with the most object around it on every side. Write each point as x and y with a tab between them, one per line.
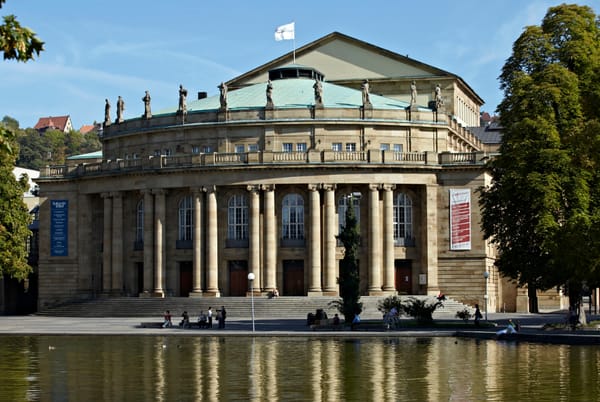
205	319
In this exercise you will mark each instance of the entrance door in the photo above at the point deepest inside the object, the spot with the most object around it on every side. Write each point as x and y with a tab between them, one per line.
403	276
293	278
238	278
186	284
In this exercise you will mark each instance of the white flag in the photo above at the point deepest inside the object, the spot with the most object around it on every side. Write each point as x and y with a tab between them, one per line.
285	32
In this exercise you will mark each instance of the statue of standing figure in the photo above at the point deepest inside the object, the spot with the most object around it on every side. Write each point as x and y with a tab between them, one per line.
365	93
318	87
413	93
146	100
182	109
120	109
439	102
106	112
269	94
223	96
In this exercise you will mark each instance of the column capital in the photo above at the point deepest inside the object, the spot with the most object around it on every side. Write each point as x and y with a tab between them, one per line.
196	190
159	191
116	194
267	187
105	195
210	188
146	191
329	187
253	188
388	187
314	187
374	187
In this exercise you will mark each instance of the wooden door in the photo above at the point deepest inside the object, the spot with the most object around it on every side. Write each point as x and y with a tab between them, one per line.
238	278
186	283
293	278
403	276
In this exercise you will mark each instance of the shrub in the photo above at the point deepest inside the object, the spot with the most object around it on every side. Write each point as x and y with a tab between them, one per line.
386	305
420	309
464	315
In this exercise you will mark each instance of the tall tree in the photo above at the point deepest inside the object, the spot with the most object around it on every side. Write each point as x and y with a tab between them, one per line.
542	205
349	279
19	43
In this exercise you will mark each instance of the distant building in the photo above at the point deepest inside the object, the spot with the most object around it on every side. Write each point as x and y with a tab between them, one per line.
62	123
88	128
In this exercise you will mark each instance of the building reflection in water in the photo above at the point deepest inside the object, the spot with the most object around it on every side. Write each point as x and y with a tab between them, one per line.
291	368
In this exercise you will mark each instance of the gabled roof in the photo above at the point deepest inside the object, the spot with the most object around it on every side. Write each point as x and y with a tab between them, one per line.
52	122
350	59
87	128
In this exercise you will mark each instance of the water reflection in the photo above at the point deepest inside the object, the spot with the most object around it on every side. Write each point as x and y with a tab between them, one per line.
153	368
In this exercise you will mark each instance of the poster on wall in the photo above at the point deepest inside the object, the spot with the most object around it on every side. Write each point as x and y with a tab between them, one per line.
59	228
460	219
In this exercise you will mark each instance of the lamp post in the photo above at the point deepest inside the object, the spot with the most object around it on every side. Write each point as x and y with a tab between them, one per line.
251	279
486	275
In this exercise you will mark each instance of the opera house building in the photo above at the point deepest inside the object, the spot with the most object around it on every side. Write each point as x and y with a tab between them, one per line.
186	202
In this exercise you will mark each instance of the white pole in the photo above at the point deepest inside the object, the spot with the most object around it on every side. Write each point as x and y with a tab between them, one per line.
251	279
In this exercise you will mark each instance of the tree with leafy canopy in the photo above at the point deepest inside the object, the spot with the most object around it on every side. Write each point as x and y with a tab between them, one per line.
18	43
349	279
542	208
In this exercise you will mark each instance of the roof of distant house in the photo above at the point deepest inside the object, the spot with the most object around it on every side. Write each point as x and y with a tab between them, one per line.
87	128
52	122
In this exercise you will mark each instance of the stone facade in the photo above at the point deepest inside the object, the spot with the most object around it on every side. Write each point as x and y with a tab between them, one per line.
189	205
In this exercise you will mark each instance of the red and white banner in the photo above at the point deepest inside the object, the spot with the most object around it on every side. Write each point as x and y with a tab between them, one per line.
460	219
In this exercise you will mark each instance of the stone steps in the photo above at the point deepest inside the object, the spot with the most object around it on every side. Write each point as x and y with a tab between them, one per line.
288	307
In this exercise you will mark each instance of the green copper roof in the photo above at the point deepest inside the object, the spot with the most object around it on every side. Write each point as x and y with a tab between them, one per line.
291	93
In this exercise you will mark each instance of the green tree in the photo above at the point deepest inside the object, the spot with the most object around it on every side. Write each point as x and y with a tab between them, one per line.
543	204
349	279
19	43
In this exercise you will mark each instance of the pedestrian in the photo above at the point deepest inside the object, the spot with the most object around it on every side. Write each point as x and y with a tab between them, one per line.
478	315
210	317
222	314
167	323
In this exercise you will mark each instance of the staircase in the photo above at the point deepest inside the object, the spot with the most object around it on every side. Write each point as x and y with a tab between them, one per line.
289	307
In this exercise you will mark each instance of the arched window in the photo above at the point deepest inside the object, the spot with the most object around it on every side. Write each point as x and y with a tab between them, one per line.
139	222
343	203
185	218
403	235
292	217
237	218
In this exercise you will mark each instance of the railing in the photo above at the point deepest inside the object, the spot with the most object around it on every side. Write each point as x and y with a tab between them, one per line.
263	158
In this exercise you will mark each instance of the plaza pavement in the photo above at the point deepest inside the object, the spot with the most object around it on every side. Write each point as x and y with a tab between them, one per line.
531	328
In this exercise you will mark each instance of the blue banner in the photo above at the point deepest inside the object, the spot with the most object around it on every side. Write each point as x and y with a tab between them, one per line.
59	228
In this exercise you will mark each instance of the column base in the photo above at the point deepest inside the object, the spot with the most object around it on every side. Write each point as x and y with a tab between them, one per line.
145	294
390	292
313	293
211	293
158	294
195	293
376	292
255	293
329	293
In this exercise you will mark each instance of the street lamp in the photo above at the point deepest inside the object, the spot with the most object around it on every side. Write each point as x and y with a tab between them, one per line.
486	275
251	279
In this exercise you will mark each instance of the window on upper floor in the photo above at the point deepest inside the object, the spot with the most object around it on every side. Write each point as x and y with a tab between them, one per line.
252	147
384	147
185	218
301	147
397	147
403	235
207	149
287	147
292	216
240	148
336	147
350	146
195	149
237	217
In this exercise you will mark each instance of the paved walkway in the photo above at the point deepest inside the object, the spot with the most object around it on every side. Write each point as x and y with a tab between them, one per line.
531	328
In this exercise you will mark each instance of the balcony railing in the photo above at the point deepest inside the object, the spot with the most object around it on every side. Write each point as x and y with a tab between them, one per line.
265	158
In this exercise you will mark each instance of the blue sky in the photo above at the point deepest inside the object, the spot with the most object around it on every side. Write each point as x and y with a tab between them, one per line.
103	49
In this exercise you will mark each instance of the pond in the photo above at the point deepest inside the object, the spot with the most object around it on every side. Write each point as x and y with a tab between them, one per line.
185	368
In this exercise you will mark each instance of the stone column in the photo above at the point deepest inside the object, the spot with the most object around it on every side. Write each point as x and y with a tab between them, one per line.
197	242
330	230
212	242
430	249
314	275
270	273
389	284
117	244
148	241
107	244
374	242
159	241
254	236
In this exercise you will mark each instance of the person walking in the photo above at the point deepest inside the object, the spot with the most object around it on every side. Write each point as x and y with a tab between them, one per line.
222	317
210	317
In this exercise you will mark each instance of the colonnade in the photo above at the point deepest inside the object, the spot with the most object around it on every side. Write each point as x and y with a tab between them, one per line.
321	246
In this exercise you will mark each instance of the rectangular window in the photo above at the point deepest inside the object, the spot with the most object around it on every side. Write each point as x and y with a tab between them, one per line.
167	152
397	147
336	147
350	146
384	147
239	149
195	149
301	147
287	147
207	149
157	152
252	147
